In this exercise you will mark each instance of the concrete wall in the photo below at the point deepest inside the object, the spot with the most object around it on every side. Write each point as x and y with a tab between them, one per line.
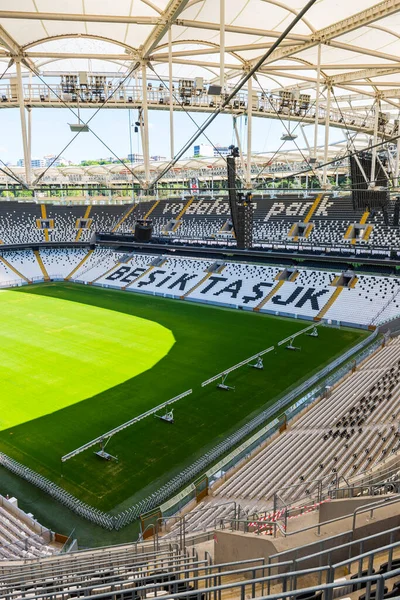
233	546
341	508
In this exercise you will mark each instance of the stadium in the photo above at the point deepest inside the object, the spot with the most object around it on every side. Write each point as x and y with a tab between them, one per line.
200	361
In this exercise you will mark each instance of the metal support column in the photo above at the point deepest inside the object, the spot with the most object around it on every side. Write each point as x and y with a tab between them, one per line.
30	120
317	92
222	43
239	144
396	165
29	110
25	142
327	124
374	142
249	130
145	128
171	98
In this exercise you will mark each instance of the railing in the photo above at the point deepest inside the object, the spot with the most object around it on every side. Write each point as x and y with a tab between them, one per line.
12	283
253	582
329	249
272	526
159	97
366	508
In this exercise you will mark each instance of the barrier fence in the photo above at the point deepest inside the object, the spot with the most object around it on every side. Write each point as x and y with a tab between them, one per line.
326	376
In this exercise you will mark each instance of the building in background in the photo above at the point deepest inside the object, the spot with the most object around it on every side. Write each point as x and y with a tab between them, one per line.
58	162
205	150
35	163
135	158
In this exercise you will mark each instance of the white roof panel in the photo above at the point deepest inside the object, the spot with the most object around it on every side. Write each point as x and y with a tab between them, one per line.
359	38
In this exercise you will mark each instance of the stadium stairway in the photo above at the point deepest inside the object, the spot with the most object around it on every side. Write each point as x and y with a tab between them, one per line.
124	217
196	286
41	265
85	216
43	211
18	273
147	215
139	277
327	306
363	220
107	272
180	215
313	208
84	259
270	295
308	217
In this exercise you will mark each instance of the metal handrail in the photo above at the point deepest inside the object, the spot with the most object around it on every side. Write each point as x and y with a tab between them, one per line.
346	545
380	504
371	507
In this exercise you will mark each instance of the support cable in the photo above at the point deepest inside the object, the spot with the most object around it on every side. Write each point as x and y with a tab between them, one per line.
181	105
350	137
286	128
391	140
234	92
121	83
283	123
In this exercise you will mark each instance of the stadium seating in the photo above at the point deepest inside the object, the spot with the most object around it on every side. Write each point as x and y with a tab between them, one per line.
25	262
201	219
370	298
353	430
96	265
18	539
126	271
64	219
309	293
18	223
8	276
237	284
59	262
135	571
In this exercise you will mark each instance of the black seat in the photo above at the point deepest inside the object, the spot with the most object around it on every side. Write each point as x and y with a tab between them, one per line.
384	566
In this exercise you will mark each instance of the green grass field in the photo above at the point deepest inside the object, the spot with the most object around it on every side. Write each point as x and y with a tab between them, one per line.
57	338
78	361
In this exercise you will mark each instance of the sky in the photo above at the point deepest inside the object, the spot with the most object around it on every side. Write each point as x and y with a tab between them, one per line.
51	133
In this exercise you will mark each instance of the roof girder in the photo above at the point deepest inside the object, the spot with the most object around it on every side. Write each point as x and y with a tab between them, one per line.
172	11
364	73
80	18
327	34
15	50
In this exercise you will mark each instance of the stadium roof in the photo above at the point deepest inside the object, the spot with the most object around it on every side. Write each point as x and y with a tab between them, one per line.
268	165
359	41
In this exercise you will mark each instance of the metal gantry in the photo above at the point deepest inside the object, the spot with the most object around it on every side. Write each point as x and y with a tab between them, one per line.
219	44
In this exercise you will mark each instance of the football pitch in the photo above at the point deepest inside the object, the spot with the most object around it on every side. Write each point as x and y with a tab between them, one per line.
77	361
